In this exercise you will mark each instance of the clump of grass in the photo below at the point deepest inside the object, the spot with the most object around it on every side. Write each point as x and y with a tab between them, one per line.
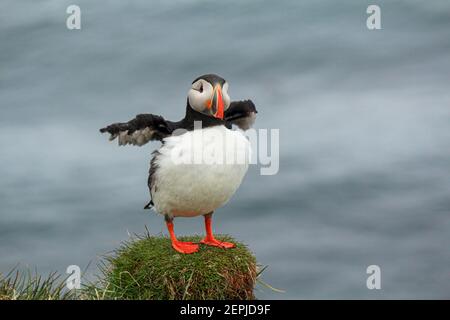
25	285
148	268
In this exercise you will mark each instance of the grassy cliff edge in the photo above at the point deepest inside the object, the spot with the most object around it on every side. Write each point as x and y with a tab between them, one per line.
148	268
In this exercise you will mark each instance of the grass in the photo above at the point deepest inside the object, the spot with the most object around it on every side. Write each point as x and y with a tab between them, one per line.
28	286
148	268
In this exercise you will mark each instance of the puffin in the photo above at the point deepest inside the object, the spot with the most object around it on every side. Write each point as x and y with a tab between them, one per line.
202	158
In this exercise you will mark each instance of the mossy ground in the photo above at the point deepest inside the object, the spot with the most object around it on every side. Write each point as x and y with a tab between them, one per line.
148	268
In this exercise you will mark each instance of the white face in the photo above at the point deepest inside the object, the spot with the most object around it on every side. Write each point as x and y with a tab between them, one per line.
201	95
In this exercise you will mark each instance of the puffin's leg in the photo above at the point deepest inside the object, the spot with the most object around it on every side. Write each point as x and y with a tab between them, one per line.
209	239
181	247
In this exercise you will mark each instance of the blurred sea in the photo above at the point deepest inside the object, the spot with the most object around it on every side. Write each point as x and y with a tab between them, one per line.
364	119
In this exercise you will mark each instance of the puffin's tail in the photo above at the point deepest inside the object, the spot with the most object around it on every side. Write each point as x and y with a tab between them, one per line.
149	205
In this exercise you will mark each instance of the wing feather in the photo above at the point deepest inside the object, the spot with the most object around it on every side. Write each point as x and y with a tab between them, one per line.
241	113
140	130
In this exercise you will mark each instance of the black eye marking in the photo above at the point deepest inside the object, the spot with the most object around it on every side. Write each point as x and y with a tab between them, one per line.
200	88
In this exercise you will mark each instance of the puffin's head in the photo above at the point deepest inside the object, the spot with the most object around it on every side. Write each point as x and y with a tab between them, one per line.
209	95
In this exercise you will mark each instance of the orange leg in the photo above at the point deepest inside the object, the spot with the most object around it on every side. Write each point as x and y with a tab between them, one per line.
181	247
209	239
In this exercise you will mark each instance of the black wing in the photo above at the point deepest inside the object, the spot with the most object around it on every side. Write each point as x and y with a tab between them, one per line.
140	130
241	113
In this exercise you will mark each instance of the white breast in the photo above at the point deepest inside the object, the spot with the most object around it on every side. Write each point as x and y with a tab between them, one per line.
198	171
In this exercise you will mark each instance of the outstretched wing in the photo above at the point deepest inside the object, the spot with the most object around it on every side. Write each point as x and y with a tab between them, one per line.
140	130
241	113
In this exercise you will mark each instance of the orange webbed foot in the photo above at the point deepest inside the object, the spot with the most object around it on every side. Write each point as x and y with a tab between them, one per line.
217	243
185	247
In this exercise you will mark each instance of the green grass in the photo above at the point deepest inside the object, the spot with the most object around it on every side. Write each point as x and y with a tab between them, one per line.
19	285
148	268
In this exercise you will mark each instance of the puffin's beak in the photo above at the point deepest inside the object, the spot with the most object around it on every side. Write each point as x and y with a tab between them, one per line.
217	102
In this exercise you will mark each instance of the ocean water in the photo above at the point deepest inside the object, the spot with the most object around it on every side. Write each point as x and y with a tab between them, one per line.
364	119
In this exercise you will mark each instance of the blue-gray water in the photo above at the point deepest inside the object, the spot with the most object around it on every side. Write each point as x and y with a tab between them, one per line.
364	119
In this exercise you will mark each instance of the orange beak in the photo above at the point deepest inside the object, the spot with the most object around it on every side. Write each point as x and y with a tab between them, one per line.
217	102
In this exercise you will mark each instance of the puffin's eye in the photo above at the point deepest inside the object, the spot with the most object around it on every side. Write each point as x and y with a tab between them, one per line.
198	86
